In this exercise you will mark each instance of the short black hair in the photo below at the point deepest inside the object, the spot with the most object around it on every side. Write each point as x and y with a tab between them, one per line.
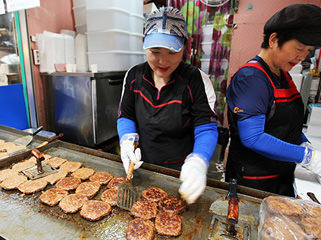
298	21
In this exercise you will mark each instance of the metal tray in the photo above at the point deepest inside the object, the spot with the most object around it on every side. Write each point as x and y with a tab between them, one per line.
24	217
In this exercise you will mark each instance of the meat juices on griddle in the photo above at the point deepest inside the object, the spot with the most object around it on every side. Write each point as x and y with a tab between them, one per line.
83	173
89	189
154	194
68	183
168	224
70	166
52	196
72	203
101	177
144	209
172	204
115	182
140	229
13	181
94	210
32	186
110	196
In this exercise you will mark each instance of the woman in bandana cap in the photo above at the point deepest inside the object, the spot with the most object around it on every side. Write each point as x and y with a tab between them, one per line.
265	109
167	107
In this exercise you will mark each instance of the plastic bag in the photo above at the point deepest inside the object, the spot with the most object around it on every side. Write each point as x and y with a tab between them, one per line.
285	218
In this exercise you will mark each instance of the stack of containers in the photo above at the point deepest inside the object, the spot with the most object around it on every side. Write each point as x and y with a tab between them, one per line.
206	47
114	31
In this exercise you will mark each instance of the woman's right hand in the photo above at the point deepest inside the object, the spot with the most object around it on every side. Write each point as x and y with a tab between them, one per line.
129	152
312	161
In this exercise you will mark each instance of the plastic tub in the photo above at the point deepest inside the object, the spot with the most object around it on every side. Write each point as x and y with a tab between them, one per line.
81	28
136	58
136	23
207	32
136	6
136	42
205	64
77	3
80	14
110	60
114	39
106	4
106	19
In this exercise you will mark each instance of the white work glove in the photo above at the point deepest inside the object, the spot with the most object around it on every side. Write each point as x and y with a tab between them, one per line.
193	177
128	152
307	145
312	160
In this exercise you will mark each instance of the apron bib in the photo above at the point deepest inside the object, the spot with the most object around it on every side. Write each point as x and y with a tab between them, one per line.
283	122
166	134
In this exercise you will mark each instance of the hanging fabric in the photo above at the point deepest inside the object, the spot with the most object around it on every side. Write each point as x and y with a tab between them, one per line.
210	27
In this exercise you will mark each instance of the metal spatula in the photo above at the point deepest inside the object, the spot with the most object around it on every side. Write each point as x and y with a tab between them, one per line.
26	140
127	194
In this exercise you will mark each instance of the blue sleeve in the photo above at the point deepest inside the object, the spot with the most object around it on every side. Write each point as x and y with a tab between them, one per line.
125	125
252	136
205	140
249	93
304	138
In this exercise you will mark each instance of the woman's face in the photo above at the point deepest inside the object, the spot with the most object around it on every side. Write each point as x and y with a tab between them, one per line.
163	61
289	54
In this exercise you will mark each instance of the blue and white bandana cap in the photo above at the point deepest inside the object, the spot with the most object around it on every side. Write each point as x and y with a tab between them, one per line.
165	28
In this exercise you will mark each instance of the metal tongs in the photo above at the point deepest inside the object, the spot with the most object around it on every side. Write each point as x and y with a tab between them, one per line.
233	207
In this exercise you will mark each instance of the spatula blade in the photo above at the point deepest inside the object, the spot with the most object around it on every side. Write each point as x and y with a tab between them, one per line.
127	195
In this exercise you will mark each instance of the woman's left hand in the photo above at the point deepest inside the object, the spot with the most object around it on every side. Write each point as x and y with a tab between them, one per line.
193	177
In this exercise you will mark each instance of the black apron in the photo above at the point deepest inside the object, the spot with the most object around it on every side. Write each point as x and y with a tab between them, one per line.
166	132
284	122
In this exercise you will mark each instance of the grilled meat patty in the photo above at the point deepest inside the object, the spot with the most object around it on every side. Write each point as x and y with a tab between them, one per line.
83	173
115	182
154	194
52	196
172	204
144	209
68	183
140	229
101	177
94	210
72	203
89	189
110	196
32	186
168	224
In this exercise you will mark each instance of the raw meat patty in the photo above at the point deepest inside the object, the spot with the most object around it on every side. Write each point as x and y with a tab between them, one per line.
144	209
68	183
13	181
115	182
89	189
140	229
52	196
154	194
55	177
70	166
32	186
94	210
172	204
101	177
110	196
6	173
18	167
168	224
72	203
83	173
55	162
